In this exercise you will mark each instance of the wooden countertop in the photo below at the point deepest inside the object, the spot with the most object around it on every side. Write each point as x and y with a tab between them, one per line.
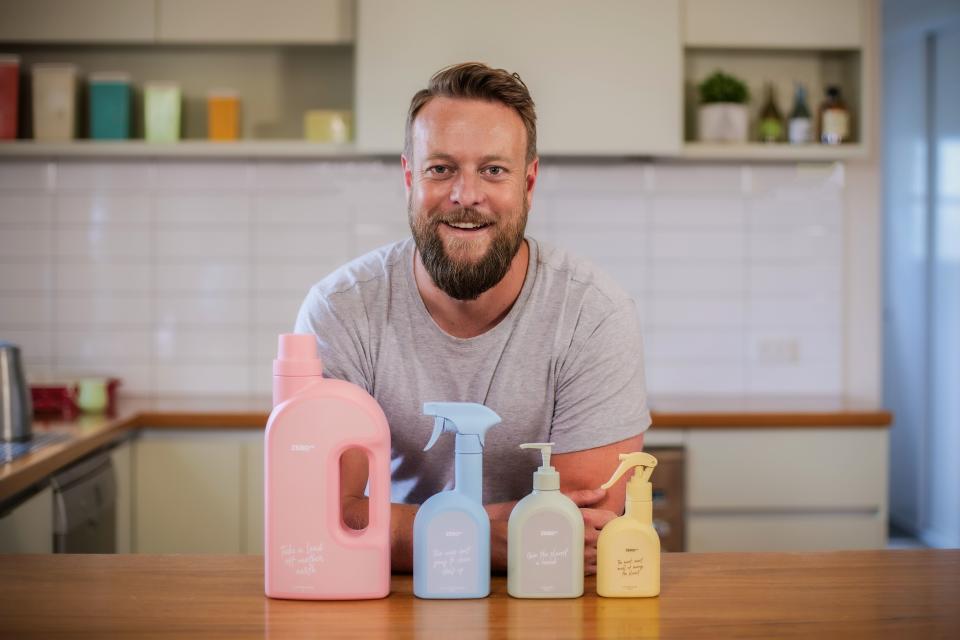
864	594
89	433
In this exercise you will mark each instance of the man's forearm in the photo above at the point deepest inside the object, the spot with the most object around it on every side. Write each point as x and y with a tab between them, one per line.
356	514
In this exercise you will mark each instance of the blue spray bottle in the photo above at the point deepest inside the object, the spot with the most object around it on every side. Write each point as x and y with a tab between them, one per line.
451	533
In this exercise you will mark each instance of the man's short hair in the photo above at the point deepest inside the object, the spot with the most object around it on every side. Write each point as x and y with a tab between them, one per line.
477	81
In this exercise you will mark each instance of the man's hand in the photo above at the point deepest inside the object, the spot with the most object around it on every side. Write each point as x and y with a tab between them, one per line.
593	521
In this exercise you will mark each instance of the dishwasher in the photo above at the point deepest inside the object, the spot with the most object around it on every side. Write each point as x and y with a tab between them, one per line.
85	507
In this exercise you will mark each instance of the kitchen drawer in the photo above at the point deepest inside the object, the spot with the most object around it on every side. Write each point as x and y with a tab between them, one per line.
777	469
786	531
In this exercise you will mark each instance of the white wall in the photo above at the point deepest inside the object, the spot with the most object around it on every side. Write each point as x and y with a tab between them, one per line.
177	276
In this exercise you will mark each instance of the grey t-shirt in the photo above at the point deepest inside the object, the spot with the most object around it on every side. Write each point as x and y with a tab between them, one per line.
565	365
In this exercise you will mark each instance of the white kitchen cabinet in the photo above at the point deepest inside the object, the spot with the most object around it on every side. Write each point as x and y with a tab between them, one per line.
605	77
253	472
188	488
786	489
198	491
28	527
121	458
88	21
255	21
776	24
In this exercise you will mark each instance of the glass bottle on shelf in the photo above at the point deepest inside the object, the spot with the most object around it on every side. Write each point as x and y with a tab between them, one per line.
771	122
798	127
834	118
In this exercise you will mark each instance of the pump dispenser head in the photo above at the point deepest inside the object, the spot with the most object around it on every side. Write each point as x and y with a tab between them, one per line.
469	420
639	488
546	477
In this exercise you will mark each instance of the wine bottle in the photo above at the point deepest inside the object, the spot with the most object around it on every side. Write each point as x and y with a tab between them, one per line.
798	128
771	122
834	118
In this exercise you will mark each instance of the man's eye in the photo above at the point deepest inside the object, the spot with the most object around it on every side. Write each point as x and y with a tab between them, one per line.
496	171
438	170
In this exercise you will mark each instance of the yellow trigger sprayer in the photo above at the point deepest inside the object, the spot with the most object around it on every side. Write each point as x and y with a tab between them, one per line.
628	550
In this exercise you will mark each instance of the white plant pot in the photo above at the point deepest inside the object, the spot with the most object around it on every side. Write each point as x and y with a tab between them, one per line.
722	122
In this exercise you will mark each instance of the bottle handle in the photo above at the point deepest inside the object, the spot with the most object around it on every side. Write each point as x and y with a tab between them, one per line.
378	510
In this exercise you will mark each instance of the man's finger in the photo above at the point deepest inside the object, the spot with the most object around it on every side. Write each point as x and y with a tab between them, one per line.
587	497
597	518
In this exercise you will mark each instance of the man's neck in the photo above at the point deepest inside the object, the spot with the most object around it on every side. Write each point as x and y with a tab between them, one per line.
471	318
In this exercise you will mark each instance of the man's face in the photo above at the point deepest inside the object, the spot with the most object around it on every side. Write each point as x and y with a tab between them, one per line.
468	192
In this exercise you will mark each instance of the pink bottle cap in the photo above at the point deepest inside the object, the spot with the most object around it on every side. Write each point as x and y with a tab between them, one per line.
297	355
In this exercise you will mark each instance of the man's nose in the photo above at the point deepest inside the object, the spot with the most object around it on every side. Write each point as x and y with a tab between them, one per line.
467	190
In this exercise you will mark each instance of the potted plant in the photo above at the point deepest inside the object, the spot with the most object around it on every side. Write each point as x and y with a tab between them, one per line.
722	115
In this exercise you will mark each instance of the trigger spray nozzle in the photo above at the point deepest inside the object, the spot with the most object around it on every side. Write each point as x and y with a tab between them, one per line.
469	420
638	487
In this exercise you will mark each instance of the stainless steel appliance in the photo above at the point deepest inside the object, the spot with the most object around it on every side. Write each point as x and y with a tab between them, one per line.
85	507
16	410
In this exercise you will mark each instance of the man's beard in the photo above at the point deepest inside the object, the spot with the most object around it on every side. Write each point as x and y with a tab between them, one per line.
465	280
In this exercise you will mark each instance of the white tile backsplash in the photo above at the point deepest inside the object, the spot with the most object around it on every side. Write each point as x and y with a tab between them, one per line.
116	277
25	242
25	209
212	278
103	242
203	210
103	208
232	243
177	276
32	175
25	310
103	309
31	275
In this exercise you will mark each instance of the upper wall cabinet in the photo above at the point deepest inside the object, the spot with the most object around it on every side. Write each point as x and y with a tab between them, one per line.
76	21
606	76
780	24
178	21
255	21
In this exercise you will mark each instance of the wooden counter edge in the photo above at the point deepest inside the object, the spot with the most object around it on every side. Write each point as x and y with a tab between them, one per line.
62	454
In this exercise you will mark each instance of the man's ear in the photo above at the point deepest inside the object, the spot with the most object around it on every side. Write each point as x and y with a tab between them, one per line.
530	179
407	173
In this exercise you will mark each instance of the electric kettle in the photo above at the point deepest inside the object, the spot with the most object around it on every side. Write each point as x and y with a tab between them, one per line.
16	410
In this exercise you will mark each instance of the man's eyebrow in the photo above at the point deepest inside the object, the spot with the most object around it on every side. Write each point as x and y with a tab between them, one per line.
494	158
484	160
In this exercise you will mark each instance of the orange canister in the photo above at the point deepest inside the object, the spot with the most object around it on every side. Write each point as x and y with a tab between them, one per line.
223	115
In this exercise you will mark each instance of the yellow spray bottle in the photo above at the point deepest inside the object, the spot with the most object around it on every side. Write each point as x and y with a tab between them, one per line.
628	550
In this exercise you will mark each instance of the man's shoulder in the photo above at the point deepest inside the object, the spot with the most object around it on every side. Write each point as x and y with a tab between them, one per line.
567	273
370	272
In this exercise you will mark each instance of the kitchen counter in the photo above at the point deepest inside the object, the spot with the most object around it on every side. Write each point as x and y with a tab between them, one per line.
89	433
868	594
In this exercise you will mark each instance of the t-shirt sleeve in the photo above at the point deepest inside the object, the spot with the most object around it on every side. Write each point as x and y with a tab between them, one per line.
601	395
339	340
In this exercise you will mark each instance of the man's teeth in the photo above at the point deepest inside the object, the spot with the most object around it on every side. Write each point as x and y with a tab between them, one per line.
465	225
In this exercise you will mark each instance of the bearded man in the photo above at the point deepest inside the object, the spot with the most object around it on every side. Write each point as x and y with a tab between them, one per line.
471	310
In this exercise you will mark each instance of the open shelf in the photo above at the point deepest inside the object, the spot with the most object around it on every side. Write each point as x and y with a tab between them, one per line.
815	69
185	148
772	151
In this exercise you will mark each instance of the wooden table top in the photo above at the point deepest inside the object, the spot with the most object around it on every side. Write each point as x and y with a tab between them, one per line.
863	594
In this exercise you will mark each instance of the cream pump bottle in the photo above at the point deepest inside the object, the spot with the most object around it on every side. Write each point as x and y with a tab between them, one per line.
628	550
545	538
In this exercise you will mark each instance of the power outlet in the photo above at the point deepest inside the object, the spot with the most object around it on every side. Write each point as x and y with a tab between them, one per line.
778	350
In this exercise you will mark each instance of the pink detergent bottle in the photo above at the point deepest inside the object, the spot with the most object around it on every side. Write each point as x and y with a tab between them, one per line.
309	554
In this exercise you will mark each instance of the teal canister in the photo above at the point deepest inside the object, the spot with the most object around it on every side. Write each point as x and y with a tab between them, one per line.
110	106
